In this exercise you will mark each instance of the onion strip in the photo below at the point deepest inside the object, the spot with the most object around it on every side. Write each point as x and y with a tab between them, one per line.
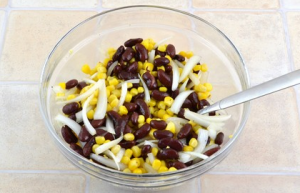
161	42
110	125
111	68
149	168
151	56
86	122
199	155
183	86
202	139
107	162
176	75
108	145
102	101
123	94
110	154
78	115
179	100
69	122
193	61
146	90
197	118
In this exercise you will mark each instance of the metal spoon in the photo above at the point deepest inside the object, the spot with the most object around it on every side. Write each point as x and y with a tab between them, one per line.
282	82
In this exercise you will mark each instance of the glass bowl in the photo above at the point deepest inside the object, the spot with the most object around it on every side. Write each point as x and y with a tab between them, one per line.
87	43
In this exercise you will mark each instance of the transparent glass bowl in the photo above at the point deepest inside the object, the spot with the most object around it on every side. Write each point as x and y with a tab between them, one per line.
88	42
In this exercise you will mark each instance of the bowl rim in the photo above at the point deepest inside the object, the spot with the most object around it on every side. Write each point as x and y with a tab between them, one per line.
229	144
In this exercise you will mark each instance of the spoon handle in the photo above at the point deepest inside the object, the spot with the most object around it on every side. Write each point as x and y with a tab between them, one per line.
274	85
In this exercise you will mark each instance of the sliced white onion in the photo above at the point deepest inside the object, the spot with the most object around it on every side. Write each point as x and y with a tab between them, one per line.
151	55
177	119
194	60
179	100
146	90
94	75
86	94
148	142
151	157
204	77
108	162
111	155
183	157
86	121
197	118
212	133
71	91
176	75
183	86
123	94
108	145
219	118
103	128
199	155
90	81
102	101
78	115
58	89
149	168
110	125
120	154
111	68
195	80
202	140
69	122
161	42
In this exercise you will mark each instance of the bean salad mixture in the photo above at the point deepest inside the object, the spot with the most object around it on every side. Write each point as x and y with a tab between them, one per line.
136	111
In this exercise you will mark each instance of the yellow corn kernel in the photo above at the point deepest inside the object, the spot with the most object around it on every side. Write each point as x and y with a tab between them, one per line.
208	86
161	68
188	148
163	89
148	66
129	85
145	43
128	153
200	88
140	125
93	101
71	96
152	103
143	170
127	170
128	97
197	67
95	147
117	93
196	128
151	109
169	112
148	120
154	73
156	164
189	54
161	113
111	51
115	149
134	91
101	69
123	110
169	58
107	92
106	60
204	67
132	60
163	163
168	101
101	75
140	65
106	141
183	53
137	171
162	48
172	169
141	119
125	160
161	105
111	98
140	89
96	93
159	84
113	82
90	114
192	123
129	137
154	151
62	85
109	107
136	151
193	142
133	164
165	117
151	133
162	169
171	127
60	94
141	160
99	140
204	95
86	69
114	103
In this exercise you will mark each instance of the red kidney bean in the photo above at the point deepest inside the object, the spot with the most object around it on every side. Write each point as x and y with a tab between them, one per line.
87	149
168	68
118	53
143	108
145	150
178	165
169	153
128	54
73	117
150	80
127	129
219	138
68	135
118	121
98	122
109	63
130	106
164	78
71	83
203	103
193	97
127	144
181	113
124	75
171	51
184	131
187	104
175	93
105	134
76	148
213	113
158	95
161	61
138	96
176	144
133	68
142	52
114	116
190	136
158	124
212	151
143	131
164	142
71	108
84	135
132	42
179	58
134	118
117	69
160	134
162	54
81	85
